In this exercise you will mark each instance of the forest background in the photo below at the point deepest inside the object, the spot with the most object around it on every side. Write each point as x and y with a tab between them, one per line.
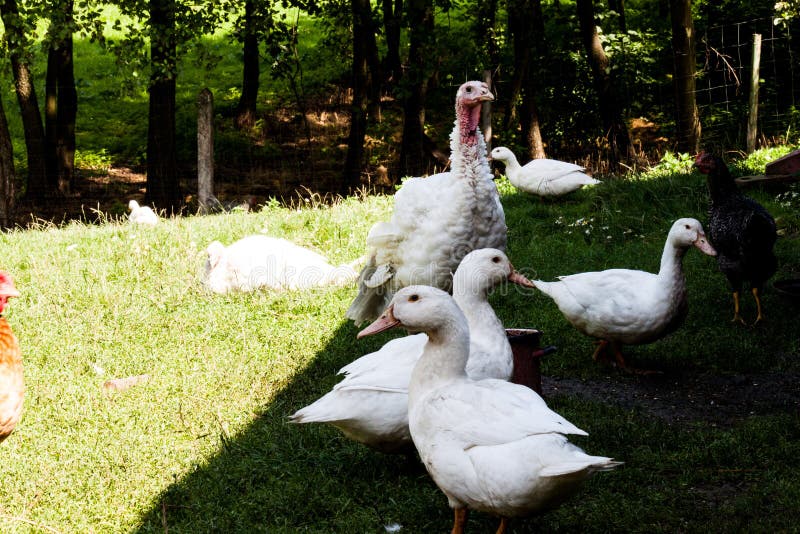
100	98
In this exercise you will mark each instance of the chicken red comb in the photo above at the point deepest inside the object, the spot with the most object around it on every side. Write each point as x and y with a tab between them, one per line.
7	288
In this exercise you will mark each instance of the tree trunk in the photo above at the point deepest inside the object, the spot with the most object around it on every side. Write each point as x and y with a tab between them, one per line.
529	120
683	47
484	30
375	74
526	25
616	130
358	109
618	6
246	110
163	187
39	186
412	156
392	16
7	174
61	104
67	114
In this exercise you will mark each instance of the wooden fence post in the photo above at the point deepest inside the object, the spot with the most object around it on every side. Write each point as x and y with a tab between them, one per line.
752	119
205	150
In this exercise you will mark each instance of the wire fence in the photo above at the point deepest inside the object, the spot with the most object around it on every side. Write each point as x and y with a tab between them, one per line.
722	87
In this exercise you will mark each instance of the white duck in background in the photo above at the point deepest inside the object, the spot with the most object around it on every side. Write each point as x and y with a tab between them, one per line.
141	214
543	177
630	307
436	220
489	445
370	405
261	261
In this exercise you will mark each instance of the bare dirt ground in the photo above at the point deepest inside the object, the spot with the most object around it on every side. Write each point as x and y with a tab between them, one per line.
687	397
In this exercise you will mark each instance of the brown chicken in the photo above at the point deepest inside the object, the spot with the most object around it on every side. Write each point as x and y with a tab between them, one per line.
12	386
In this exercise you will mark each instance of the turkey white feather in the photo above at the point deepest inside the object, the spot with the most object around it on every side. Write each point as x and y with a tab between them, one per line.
436	220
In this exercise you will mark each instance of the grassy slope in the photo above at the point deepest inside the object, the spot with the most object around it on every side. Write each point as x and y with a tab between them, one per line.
204	444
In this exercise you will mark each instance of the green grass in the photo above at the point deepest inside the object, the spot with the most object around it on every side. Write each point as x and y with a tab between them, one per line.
204	446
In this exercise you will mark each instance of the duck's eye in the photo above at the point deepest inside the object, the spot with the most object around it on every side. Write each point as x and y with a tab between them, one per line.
496	259
413	298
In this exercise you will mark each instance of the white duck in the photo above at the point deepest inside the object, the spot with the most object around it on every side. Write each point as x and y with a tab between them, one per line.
370	405
261	261
489	445
436	220
624	306
141	214
543	177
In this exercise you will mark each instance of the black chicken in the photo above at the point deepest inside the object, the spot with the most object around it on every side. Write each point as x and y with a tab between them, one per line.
741	230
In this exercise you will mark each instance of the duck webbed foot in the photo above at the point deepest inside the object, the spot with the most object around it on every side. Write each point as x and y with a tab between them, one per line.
501	529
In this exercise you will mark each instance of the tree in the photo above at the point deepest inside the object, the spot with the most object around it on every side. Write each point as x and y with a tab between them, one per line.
392	23
170	26
683	48
246	110
163	186
362	25
7	173
16	35
616	130
526	26
415	87
61	98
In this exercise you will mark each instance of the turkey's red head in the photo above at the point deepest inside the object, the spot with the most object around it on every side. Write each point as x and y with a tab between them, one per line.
7	289
705	163
469	98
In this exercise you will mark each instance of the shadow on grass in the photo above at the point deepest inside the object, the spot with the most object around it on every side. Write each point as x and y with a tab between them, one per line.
280	477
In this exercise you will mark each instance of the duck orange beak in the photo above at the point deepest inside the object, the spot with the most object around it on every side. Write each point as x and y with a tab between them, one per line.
386	321
519	279
704	246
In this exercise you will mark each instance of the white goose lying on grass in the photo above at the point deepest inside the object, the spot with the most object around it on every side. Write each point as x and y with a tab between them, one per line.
630	307
543	177
371	404
489	445
261	261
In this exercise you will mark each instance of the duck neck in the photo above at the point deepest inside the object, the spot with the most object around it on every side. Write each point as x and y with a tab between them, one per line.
443	359
512	169
672	263
473	299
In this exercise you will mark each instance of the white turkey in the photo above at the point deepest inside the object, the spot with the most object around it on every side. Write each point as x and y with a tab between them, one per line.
141	214
543	177
261	261
370	405
436	220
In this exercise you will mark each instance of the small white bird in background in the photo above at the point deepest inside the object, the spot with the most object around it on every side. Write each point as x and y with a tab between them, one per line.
543	177
141	214
261	261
